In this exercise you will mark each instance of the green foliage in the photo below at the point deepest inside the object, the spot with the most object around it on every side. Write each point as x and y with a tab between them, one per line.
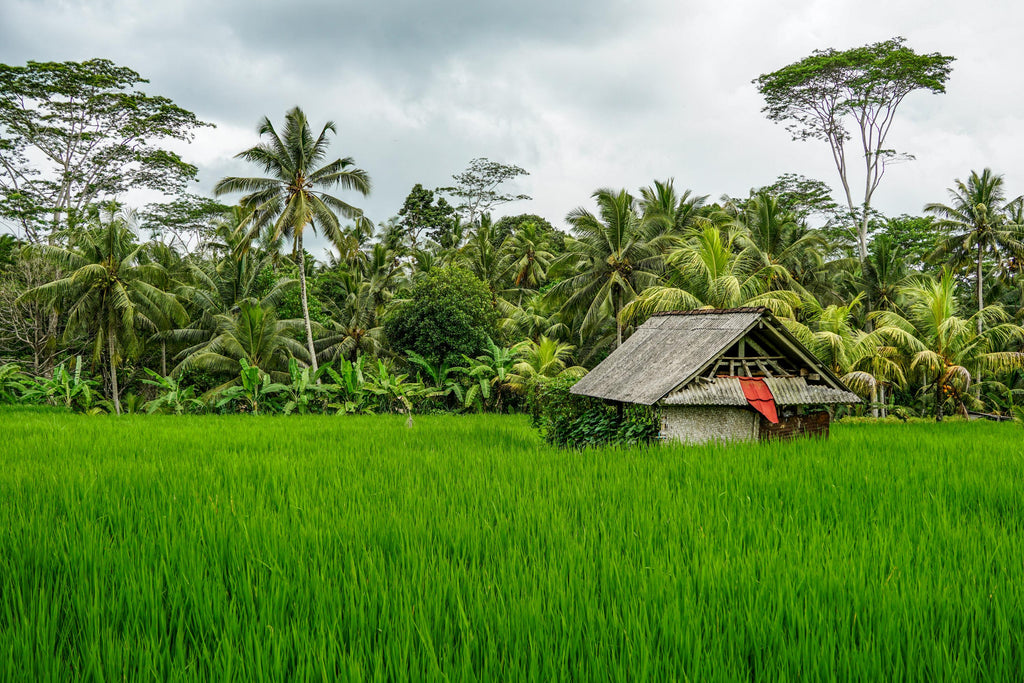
449	314
253	391
349	389
806	198
289	307
914	238
68	389
490	376
14	383
174	398
507	226
186	222
47	110
305	391
421	216
570	421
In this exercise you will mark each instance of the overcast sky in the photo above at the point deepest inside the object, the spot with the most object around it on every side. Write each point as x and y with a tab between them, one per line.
583	94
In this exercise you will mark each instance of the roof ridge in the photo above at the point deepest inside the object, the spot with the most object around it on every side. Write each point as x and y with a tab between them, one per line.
714	311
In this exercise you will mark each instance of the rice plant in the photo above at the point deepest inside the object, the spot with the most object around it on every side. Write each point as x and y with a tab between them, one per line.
352	548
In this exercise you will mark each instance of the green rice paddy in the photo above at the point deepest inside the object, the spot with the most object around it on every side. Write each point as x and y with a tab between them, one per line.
463	548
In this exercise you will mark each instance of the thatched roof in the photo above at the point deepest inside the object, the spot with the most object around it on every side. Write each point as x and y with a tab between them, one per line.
671	349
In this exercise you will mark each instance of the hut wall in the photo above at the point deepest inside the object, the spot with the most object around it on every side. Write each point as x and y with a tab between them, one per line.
814	424
701	424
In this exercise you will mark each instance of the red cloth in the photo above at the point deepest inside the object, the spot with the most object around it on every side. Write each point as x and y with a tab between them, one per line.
760	398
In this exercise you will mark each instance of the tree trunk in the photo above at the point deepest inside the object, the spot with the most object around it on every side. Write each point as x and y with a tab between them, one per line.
618	323
981	296
883	400
113	373
163	357
874	400
938	400
305	303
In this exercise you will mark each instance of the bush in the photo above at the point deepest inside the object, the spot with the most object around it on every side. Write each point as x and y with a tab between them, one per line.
570	421
450	315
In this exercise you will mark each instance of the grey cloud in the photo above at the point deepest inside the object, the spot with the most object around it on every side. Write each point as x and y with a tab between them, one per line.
583	94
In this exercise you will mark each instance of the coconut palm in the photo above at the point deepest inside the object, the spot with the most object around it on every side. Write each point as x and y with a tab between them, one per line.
668	211
977	217
294	195
254	335
885	273
780	239
944	348
354	327
485	255
529	255
612	257
540	361
708	272
109	295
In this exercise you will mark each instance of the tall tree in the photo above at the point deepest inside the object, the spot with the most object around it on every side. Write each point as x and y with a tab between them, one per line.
109	296
977	217
831	93
293	197
478	188
76	133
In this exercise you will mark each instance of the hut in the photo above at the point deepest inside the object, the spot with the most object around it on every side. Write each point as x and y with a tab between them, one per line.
728	375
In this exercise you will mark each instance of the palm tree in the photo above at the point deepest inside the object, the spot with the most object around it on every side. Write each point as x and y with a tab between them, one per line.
254	335
293	196
612	257
354	327
885	273
109	294
668	210
541	361
945	348
529	255
781	240
977	217
707	272
486	255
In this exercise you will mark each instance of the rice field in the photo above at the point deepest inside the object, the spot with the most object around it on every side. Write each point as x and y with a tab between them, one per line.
463	548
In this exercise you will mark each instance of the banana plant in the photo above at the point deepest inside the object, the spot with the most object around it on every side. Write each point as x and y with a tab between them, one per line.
491	374
174	398
68	389
445	378
14	383
255	388
305	387
349	386
394	393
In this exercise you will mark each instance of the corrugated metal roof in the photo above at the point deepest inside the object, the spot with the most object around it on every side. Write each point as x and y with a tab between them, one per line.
788	391
664	352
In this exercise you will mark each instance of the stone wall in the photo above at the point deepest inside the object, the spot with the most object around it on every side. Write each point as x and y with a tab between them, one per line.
700	424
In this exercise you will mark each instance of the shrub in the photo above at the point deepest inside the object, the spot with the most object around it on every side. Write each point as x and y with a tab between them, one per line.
450	315
570	421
